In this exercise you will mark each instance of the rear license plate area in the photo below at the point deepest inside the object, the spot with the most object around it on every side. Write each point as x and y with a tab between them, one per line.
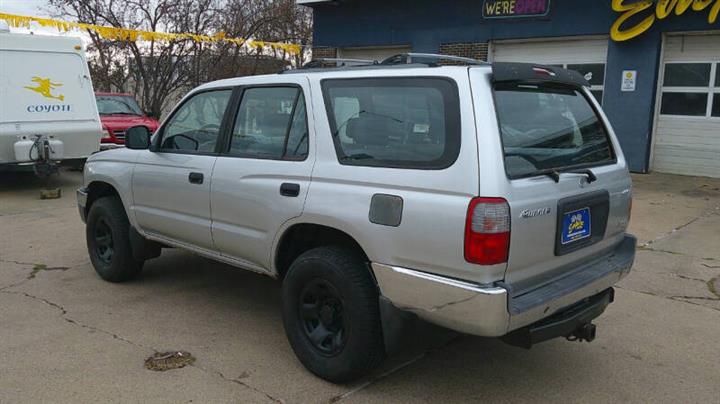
581	221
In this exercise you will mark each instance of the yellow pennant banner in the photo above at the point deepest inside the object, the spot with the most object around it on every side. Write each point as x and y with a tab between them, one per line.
125	34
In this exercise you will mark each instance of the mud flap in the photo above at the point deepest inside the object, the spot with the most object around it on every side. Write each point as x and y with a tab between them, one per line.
142	248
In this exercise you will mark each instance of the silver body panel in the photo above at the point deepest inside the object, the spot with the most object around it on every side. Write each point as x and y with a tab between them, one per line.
238	216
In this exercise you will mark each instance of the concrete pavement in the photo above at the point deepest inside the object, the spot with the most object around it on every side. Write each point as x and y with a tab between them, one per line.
67	336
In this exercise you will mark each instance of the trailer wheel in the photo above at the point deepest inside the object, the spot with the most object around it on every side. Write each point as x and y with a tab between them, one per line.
108	242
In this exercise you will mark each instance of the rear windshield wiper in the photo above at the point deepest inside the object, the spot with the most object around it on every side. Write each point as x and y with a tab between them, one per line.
555	173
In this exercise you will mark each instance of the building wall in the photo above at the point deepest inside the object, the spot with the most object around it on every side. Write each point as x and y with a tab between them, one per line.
426	25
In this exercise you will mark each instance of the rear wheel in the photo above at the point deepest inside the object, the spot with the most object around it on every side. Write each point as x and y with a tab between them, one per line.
108	242
331	314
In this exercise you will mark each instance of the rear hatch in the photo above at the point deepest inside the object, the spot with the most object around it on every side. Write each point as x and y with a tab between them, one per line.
567	183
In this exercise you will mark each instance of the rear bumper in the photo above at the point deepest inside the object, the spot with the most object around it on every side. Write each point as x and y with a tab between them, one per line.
493	310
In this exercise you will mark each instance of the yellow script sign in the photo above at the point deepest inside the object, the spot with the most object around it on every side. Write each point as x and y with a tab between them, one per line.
663	9
44	87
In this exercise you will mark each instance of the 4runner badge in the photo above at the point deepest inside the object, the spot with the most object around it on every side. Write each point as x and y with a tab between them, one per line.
528	213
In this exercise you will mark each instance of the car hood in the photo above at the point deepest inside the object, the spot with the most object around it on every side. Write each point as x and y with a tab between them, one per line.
123	122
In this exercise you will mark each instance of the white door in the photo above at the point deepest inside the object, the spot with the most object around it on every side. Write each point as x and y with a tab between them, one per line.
262	177
587	56
687	132
171	185
372	53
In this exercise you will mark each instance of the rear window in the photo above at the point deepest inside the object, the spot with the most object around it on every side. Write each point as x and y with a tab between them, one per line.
549	128
394	122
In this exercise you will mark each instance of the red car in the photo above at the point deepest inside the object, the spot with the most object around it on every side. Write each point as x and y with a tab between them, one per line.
118	112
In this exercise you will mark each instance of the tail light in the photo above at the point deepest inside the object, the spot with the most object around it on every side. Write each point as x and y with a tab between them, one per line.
487	231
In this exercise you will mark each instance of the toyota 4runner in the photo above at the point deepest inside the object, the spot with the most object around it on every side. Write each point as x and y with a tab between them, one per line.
491	199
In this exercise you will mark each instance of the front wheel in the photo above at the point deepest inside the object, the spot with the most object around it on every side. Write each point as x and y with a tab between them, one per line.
331	314
108	241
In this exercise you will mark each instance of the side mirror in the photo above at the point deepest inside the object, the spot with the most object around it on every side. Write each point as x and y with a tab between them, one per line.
137	138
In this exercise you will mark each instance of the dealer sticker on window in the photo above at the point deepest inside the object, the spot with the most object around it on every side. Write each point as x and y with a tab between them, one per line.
575	226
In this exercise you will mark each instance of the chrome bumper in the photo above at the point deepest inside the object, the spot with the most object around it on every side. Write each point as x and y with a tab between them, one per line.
81	195
492	310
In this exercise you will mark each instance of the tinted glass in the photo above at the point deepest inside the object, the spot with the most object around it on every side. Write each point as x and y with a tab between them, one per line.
195	126
297	142
263	121
545	128
593	72
112	104
717	75
687	75
689	104
716	105
394	122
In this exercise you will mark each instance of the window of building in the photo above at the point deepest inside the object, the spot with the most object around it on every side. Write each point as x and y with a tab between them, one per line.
594	73
691	89
195	126
394	122
271	123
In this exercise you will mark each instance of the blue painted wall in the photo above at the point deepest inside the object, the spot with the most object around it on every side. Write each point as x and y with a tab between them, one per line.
425	24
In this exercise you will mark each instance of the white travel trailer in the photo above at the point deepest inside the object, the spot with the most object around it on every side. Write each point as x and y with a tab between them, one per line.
48	113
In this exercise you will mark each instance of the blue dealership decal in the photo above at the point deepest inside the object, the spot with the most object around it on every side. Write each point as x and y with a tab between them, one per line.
576	225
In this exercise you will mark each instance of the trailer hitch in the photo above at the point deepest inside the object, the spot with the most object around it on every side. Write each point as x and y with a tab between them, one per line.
585	332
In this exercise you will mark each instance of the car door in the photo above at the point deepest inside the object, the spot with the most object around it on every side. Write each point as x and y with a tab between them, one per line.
171	182
262	177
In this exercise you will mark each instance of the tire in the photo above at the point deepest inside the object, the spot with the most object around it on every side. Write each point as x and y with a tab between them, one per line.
108	242
329	296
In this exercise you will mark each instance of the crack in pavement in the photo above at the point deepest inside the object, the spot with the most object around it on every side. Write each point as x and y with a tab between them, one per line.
17	262
64	316
664	236
390	372
680	299
237	381
377	378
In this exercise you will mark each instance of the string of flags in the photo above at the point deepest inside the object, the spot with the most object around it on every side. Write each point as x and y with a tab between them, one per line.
132	35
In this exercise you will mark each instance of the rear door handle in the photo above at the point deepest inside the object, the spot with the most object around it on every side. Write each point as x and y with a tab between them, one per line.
289	189
196	178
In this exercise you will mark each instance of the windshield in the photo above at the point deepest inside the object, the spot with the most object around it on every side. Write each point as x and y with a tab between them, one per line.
117	104
547	128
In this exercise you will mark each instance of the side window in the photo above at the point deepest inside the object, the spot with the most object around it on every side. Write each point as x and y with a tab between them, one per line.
271	123
394	122
195	126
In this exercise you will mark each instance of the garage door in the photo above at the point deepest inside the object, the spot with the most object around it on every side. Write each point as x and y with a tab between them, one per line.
588	56
687	133
373	53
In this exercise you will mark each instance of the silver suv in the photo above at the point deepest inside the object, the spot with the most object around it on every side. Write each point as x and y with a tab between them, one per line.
491	199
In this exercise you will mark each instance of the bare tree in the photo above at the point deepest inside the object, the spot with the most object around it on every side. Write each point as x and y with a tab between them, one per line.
156	71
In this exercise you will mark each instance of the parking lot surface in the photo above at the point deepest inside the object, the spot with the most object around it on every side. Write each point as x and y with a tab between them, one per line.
68	336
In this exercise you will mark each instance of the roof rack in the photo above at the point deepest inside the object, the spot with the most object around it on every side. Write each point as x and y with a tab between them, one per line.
409	58
400	61
335	62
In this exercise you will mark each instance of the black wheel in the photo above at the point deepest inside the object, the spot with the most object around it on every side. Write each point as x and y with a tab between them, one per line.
331	314
108	241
